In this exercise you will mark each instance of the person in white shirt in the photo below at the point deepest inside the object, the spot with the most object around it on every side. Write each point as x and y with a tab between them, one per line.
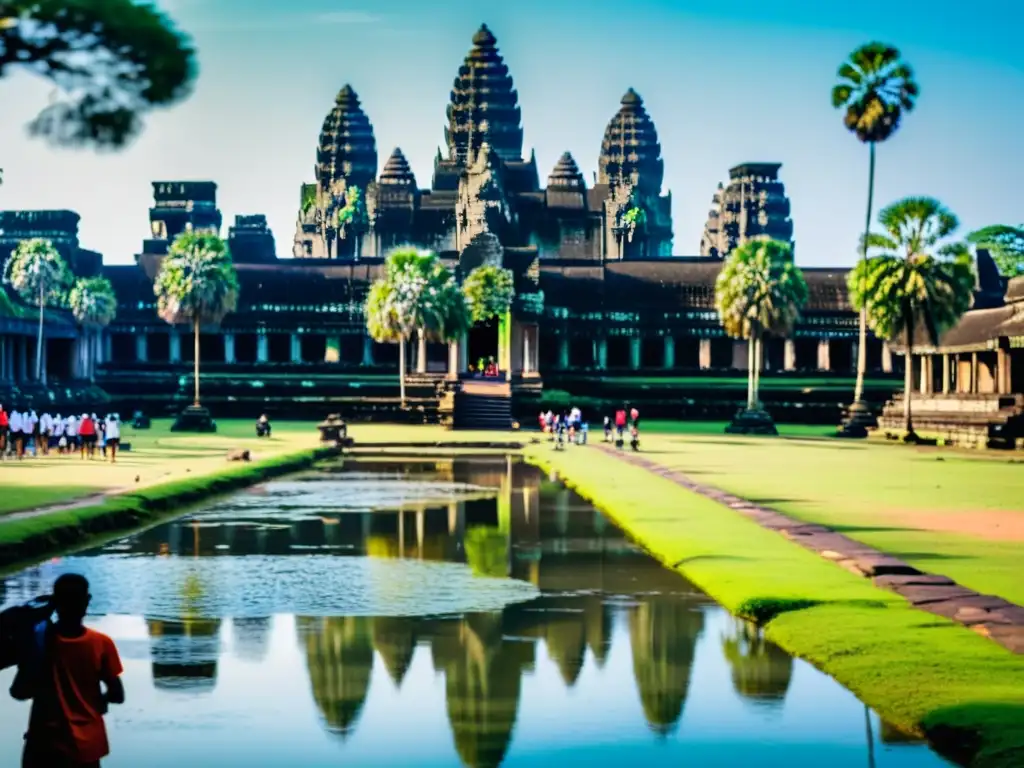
45	431
71	431
112	428
17	421
30	424
58	433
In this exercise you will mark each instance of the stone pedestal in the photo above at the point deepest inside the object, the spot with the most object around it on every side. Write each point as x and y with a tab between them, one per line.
195	418
752	423
859	419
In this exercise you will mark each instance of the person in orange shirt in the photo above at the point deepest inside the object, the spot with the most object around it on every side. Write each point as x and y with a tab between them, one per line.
81	677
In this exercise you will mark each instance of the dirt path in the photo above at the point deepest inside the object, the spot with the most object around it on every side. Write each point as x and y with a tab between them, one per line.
993	617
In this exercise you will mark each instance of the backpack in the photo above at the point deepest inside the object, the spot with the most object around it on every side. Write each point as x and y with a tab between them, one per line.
24	636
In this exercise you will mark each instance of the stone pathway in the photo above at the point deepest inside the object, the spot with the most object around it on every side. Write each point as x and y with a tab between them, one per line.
987	615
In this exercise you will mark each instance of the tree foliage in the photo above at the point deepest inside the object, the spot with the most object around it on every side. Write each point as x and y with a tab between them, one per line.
489	291
760	290
92	301
917	280
1005	244
38	272
112	60
416	293
352	211
876	87
197	280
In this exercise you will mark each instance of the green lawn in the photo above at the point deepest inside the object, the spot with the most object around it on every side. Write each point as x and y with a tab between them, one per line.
157	456
921	672
957	513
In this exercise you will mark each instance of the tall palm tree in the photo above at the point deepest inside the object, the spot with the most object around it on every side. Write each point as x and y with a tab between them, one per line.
916	284
39	274
94	305
759	291
197	284
875	89
416	294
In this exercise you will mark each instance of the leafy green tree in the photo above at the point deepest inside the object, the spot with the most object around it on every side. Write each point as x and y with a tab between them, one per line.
917	284
112	61
40	276
94	305
489	291
761	671
875	89
416	294
197	284
759	291
1005	244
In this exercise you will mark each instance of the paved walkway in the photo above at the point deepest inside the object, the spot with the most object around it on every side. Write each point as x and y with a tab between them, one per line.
990	616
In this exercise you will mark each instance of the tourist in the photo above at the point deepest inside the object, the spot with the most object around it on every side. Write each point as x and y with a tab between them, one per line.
5	428
542	420
263	427
101	432
71	431
87	435
620	426
112	434
607	429
45	431
30	425
59	441
65	726
16	436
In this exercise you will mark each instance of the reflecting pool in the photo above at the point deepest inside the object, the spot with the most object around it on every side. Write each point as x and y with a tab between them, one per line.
441	612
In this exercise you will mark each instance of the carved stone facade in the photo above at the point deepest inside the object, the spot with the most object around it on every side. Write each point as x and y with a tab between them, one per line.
754	204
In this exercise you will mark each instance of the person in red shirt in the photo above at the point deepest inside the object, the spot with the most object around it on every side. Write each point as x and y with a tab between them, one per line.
81	677
620	425
87	435
5	428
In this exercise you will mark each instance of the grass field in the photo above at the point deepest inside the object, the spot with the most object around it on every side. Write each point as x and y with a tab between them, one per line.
157	456
920	672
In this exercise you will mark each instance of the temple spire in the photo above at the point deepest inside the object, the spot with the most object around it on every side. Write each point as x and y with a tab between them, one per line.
630	151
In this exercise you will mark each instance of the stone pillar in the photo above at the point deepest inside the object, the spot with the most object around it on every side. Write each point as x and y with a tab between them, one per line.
527	350
635	349
108	347
262	348
886	357
296	348
602	353
453	359
668	358
824	356
974	373
704	354
739	355
175	346
789	355
229	347
563	353
945	374
367	350
464	353
925	383
141	348
421	353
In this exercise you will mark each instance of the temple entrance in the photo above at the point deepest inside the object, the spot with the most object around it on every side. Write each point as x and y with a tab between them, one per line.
60	355
159	347
246	348
482	342
1015	357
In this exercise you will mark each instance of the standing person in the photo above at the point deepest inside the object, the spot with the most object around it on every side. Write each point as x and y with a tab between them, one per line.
71	431
87	435
634	418
31	428
620	426
5	428
82	678
59	441
607	429
112	431
45	432
17	436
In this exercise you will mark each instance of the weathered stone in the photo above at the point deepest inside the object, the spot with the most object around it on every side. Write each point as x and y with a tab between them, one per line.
955	606
922	594
804	530
879	565
1010	637
894	580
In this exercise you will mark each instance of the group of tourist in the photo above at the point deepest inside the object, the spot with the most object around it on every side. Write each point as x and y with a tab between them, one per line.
568	427
23	431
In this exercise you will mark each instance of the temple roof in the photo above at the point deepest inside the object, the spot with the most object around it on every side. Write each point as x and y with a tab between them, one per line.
397	170
630	148
484	105
347	147
566	174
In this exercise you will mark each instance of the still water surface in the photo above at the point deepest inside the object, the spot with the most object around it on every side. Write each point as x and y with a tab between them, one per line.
437	613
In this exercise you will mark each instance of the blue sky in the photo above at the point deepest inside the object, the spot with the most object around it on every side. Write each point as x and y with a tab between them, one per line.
724	82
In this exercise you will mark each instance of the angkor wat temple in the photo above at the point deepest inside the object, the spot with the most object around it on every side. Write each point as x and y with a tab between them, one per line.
603	308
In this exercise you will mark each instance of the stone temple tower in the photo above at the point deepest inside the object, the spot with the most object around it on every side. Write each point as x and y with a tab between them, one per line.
752	204
346	157
631	167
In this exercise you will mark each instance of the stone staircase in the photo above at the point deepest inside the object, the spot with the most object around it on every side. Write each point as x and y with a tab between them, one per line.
483	405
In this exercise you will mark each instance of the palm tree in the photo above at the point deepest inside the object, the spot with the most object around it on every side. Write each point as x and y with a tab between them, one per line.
415	294
489	291
759	291
917	284
197	283
876	87
40	276
1005	244
94	305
